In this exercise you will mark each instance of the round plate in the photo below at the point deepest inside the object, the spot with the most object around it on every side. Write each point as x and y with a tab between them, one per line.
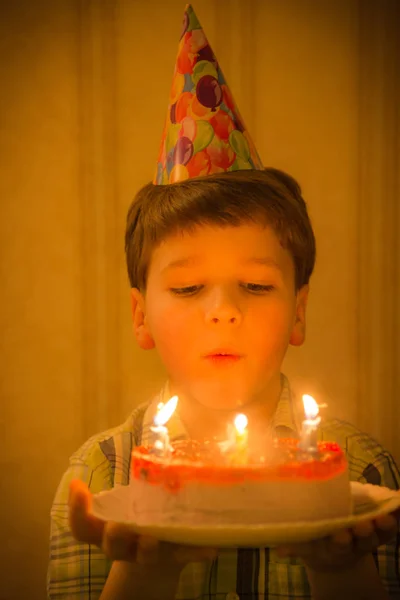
369	502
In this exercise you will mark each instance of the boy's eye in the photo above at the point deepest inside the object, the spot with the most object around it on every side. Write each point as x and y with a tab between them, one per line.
186	291
190	290
258	288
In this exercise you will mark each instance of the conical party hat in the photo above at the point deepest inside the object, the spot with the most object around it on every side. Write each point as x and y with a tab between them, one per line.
204	132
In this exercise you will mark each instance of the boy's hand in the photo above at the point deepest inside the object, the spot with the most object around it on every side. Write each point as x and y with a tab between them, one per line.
345	547
119	541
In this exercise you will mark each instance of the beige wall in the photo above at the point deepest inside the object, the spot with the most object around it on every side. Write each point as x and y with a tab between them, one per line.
84	90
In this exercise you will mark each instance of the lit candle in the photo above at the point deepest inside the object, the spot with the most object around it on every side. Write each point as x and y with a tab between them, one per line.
241	434
161	443
309	429
235	446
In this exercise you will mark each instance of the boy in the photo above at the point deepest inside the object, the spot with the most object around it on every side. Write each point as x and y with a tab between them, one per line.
219	266
203	290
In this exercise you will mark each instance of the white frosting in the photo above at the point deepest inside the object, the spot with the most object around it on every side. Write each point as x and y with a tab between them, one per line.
251	502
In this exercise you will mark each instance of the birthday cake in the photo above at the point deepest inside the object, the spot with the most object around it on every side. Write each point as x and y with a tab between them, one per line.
197	484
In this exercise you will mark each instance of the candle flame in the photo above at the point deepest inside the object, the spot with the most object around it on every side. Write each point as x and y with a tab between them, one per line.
240	423
165	411
310	407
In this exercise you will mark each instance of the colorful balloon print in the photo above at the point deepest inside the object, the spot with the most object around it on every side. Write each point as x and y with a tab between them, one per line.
203	67
172	136
204	135
208	92
183	151
239	144
207	54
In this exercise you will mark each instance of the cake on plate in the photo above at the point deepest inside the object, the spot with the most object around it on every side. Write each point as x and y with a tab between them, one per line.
198	484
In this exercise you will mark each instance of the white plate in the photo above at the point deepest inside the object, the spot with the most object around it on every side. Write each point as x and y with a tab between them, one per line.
369	501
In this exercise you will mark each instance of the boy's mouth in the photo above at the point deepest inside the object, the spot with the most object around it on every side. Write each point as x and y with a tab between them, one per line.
223	356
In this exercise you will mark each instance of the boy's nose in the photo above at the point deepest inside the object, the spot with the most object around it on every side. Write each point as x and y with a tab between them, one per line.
223	308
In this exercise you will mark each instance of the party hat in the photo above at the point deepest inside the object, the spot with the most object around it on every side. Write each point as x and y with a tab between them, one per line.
203	132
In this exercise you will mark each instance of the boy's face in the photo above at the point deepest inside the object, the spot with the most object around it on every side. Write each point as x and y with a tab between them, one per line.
221	309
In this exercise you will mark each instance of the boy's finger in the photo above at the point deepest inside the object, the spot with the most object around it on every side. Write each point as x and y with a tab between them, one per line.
386	523
396	513
84	526
302	549
147	551
119	541
365	537
367	544
363	529
342	538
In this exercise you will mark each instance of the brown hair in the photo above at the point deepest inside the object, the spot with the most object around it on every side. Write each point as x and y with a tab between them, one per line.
269	197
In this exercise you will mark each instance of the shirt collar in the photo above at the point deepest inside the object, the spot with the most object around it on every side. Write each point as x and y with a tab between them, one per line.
285	421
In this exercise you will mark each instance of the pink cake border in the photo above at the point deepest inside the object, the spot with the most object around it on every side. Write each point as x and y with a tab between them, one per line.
174	472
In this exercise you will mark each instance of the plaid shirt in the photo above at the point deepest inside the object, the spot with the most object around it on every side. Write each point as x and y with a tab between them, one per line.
79	570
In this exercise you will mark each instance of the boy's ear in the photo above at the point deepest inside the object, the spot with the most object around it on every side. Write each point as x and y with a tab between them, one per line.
140	326
298	334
